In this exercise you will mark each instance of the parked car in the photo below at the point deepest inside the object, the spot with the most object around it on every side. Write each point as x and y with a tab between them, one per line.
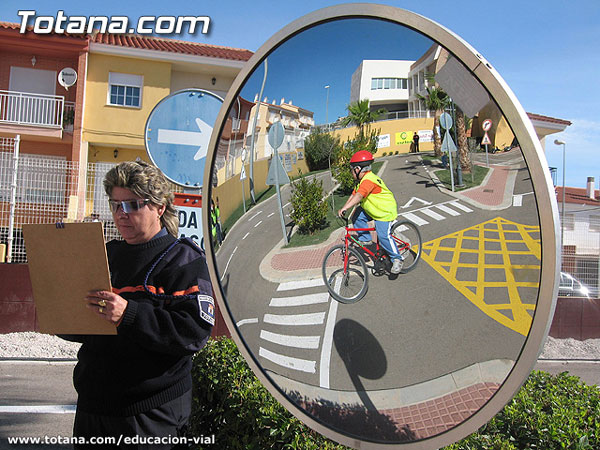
570	286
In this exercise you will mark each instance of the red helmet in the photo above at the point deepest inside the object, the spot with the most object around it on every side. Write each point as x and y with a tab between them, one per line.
361	158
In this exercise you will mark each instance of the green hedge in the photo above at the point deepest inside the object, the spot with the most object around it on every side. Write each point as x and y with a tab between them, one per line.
549	412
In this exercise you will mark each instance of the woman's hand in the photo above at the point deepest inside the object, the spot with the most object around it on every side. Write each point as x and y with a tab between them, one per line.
108	305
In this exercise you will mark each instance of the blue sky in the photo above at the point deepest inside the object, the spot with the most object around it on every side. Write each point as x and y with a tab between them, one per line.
546	51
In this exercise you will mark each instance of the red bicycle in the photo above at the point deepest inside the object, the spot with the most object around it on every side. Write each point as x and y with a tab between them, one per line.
345	270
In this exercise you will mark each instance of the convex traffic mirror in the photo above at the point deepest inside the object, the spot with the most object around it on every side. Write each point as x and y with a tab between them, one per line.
422	358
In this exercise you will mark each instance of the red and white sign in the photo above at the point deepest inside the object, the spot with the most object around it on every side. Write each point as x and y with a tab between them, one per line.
486	125
486	140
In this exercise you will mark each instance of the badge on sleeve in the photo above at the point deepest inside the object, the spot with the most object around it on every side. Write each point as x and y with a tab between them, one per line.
207	308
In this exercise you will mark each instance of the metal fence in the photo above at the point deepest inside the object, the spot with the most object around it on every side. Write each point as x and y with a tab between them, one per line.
32	109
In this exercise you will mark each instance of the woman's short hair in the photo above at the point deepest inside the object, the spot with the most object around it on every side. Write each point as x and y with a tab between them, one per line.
148	182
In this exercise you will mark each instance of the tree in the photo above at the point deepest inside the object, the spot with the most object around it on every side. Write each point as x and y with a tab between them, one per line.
435	101
318	148
309	209
360	114
340	166
461	137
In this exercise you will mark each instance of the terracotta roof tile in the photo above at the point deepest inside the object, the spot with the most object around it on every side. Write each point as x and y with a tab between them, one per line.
172	45
578	196
17	27
533	116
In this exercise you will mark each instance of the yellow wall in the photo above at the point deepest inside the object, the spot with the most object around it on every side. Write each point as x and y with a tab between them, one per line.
500	134
230	192
116	125
401	133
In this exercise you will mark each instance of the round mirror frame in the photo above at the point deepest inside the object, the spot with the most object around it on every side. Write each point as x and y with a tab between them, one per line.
540	176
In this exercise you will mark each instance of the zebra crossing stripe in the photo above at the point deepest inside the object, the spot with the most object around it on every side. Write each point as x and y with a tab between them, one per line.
292	285
461	206
432	214
415	219
295	319
447	210
300	300
291	341
302	365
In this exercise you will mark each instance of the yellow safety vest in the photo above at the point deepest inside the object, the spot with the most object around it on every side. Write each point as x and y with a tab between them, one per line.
381	206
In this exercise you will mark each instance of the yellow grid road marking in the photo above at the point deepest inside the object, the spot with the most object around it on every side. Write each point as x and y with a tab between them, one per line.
517	252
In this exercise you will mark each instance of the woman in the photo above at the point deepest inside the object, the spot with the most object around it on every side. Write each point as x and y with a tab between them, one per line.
138	383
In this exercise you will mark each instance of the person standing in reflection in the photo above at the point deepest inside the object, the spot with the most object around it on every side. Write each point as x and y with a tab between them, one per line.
416	142
138	382
377	203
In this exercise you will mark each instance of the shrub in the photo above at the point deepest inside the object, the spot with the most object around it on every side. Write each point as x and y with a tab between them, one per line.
309	209
318	147
397	152
341	167
232	404
383	154
549	412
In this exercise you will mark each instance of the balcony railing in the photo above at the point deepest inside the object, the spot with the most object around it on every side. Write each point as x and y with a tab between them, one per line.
40	110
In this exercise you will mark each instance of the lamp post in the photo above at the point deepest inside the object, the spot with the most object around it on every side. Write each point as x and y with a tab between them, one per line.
327	108
562	215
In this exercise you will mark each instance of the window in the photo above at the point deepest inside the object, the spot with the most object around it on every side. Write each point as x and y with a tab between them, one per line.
388	83
125	89
594	223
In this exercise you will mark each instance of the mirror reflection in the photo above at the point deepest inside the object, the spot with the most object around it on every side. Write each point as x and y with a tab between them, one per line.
370	352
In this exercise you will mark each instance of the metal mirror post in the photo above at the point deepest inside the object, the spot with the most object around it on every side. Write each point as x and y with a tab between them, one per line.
423	358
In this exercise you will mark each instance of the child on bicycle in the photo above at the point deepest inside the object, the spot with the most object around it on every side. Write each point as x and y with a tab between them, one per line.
377	203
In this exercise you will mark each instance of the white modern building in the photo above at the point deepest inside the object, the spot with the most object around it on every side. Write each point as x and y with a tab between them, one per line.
384	83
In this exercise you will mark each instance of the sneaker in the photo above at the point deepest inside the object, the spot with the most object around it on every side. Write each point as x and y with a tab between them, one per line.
396	266
366	242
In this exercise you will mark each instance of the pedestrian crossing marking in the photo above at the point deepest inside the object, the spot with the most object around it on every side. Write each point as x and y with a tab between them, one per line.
497	256
447	210
295	319
432	214
461	206
291	341
415	219
300	300
288	361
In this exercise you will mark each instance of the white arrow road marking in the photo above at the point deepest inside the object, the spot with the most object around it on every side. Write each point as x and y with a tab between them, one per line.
291	341
198	139
415	199
246	321
289	362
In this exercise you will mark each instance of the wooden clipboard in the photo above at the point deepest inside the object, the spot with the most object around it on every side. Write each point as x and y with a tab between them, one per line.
65	262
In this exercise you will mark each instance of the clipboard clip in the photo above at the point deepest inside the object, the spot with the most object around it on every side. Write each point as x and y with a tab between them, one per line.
60	224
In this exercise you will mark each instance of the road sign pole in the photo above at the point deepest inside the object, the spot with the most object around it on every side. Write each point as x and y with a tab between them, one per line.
487	159
275	137
243	195
451	168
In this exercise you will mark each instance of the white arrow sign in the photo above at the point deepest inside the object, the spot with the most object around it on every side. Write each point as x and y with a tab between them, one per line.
415	199
198	139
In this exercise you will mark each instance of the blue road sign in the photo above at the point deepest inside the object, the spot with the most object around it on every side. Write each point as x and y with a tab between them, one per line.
178	132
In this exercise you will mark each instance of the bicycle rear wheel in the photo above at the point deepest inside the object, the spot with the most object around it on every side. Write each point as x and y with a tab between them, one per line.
408	239
346	279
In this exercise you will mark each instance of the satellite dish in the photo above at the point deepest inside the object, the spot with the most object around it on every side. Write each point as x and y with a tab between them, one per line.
67	77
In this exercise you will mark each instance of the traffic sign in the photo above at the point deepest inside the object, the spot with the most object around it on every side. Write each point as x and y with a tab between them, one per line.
178	132
446	121
281	177
486	125
243	174
276	135
486	140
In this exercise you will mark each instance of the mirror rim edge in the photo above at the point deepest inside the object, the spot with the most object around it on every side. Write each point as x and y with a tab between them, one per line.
533	155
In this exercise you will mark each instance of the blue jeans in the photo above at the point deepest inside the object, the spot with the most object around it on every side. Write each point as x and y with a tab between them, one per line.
383	233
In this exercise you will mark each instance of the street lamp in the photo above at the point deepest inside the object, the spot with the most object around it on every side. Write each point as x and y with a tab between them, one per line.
562	216
327	108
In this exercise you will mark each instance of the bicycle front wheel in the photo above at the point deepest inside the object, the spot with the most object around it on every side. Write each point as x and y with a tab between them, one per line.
345	274
408	240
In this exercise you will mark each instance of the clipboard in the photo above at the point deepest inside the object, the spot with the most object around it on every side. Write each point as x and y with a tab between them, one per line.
66	260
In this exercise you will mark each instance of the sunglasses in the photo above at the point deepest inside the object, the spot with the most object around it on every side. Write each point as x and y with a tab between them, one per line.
128	206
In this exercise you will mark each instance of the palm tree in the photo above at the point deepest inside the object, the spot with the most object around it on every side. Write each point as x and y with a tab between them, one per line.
461	137
435	102
360	114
